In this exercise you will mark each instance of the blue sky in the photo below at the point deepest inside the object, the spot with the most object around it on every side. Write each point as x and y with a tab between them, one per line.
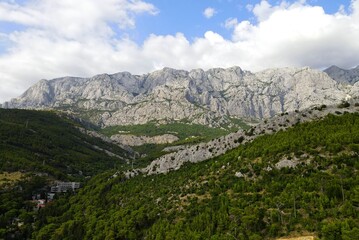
45	39
186	16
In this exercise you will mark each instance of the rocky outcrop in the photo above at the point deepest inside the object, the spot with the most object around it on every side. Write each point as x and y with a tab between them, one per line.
132	140
286	163
216	147
340	75
203	97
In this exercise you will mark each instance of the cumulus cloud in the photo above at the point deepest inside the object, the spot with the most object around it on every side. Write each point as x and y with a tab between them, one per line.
209	12
300	34
63	38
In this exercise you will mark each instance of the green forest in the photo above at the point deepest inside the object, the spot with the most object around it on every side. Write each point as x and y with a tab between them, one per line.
240	195
41	147
41	141
187	134
181	130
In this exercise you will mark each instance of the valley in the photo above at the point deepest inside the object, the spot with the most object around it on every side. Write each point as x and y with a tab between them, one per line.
179	120
247	193
260	156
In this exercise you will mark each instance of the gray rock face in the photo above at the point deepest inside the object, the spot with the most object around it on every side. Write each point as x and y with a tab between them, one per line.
285	163
203	151
196	153
202	97
340	75
132	140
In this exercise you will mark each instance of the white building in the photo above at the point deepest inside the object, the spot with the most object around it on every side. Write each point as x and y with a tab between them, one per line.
65	186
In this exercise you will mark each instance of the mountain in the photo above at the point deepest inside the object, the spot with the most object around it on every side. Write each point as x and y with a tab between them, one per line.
340	75
288	175
212	97
302	181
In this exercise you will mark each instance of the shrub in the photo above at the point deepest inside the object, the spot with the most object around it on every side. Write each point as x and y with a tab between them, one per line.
344	104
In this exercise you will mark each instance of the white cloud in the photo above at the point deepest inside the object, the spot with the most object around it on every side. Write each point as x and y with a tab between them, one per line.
75	19
65	38
341	9
61	40
209	12
249	7
231	23
264	10
300	34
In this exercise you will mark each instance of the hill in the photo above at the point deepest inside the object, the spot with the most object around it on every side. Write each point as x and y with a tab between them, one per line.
39	147
45	142
296	182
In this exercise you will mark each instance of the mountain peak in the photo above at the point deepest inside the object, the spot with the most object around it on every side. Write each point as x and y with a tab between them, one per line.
344	76
211	97
333	67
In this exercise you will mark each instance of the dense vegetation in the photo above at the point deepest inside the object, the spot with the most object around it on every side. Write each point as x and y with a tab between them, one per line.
320	196
187	134
16	208
37	147
181	130
39	141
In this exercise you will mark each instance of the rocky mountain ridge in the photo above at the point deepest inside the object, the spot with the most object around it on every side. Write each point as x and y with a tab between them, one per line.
350	76
211	97
216	147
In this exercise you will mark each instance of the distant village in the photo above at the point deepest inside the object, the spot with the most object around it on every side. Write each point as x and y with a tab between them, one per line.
41	199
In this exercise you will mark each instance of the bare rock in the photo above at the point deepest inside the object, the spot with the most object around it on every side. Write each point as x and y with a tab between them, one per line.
132	140
202	97
285	163
239	175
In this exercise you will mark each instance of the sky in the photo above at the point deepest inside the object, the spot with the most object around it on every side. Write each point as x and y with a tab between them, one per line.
45	39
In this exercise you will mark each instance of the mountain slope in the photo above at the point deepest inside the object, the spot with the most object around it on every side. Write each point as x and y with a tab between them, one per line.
38	148
204	97
300	181
38	141
340	75
179	155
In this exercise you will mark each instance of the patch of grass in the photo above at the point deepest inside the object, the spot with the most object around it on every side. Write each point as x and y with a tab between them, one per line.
10	177
181	130
240	123
187	133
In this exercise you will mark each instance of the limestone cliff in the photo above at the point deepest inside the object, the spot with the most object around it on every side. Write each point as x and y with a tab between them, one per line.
204	97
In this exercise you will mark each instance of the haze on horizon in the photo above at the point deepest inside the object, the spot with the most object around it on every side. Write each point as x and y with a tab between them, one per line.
46	39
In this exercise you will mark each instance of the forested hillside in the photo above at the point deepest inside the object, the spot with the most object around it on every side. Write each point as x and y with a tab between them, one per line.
36	148
303	181
40	141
